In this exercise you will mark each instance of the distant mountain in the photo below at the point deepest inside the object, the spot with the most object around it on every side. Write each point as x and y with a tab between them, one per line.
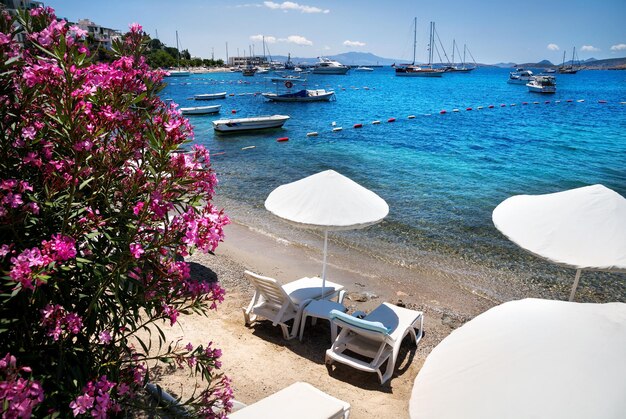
347	58
505	65
369	59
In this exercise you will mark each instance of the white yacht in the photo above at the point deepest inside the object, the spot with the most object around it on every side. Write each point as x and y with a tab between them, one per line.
248	124
542	84
326	66
520	76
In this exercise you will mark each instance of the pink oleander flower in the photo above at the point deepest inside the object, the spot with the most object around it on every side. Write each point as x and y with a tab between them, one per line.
105	337
18	396
78	31
136	250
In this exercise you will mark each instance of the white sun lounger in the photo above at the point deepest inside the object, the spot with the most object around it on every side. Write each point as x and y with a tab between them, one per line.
377	336
282	303
299	400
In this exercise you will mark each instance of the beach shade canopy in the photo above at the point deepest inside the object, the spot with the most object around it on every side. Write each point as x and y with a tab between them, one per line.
583	228
528	359
327	201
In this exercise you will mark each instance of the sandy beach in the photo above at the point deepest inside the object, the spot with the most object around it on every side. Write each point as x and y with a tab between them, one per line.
260	362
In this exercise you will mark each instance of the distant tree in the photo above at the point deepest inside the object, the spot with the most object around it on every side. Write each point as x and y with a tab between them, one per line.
160	59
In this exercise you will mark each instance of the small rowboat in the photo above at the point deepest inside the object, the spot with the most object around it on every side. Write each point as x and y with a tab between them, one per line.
210	96
248	124
201	110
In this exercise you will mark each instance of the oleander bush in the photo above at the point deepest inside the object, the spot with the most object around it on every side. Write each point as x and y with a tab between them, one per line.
101	198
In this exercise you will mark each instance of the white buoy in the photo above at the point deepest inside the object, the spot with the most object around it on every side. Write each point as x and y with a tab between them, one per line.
311	134
455	110
333	123
411	116
337	129
580	100
249	147
375	122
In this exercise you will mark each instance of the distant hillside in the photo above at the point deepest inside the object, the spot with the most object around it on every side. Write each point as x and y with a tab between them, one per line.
347	58
369	59
591	64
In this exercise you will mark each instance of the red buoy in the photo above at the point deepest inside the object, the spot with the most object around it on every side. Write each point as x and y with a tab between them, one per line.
358	125
282	139
503	105
391	120
233	111
602	101
524	103
546	102
569	100
468	109
490	106
442	111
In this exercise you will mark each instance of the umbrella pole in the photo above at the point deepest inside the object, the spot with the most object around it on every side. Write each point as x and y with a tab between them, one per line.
324	262
571	296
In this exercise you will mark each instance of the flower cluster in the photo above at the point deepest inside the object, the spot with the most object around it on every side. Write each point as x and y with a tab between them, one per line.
101	198
96	399
59	322
20	396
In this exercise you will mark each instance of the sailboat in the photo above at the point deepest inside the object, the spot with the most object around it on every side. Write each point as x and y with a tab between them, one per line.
568	69
412	70
462	68
179	72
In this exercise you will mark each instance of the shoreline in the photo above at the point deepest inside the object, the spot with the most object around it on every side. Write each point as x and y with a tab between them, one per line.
260	362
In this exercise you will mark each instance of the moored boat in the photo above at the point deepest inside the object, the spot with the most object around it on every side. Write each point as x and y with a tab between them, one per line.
304	95
177	73
542	84
520	76
412	70
210	96
326	66
201	110
248	124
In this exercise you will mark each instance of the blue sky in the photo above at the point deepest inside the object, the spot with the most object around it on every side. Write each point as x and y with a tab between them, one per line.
495	31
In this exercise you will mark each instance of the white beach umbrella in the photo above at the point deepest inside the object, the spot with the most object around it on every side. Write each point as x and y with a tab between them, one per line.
583	228
327	201
528	359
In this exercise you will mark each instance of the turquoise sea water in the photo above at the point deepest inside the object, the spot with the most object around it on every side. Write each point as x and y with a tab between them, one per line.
442	174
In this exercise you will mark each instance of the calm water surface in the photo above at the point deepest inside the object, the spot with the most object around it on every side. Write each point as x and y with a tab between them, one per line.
442	174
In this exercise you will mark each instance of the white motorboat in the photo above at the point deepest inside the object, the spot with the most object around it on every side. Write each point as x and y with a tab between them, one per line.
316	95
210	96
361	68
542	84
520	76
248	124
326	66
177	73
201	110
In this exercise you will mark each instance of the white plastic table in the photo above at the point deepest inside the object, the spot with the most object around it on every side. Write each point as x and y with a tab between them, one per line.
320	309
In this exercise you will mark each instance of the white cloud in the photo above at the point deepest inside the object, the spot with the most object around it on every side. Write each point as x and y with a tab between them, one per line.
289	5
589	48
297	39
259	38
553	47
354	43
618	47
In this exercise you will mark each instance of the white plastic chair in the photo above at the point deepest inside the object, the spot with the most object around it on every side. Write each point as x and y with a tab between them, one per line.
282	303
377	336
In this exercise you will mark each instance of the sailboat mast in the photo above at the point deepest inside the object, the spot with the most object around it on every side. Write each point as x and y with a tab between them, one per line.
573	54
453	46
430	44
414	38
177	51
563	65
464	48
